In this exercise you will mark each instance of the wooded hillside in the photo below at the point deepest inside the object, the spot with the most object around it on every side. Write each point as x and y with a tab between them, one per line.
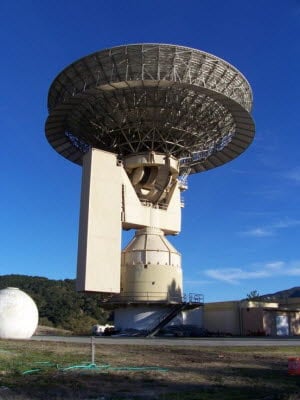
58	303
283	294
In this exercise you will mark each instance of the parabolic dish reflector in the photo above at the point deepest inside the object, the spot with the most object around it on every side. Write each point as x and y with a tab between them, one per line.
140	98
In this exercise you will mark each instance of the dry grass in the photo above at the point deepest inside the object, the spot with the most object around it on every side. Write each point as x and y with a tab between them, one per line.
192	373
48	330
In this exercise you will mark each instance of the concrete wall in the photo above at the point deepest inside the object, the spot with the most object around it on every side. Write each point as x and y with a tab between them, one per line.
222	317
295	323
270	320
138	317
253	317
137	215
193	317
252	321
144	317
293	302
99	242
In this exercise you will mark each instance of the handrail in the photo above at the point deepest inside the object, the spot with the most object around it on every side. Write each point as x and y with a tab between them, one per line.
142	297
161	206
164	319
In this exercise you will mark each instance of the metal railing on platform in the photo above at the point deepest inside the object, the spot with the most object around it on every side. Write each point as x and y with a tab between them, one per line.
158	297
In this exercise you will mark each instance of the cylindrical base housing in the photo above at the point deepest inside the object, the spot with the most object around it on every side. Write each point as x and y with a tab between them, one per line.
151	269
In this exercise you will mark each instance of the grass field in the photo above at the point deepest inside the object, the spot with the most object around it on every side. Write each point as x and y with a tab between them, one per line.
178	373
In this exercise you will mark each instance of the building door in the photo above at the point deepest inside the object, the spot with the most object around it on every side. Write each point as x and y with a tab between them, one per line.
282	325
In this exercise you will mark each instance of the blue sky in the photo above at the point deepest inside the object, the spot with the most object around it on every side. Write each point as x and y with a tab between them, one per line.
241	224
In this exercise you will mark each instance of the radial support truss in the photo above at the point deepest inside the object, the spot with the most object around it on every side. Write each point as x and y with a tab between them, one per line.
152	97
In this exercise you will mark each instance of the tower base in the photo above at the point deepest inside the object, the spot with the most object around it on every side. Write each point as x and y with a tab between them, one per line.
148	318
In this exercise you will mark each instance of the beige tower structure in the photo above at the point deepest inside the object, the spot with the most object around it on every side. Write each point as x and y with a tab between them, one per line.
140	119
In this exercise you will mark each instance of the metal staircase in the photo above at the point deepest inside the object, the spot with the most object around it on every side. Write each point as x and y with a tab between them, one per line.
165	318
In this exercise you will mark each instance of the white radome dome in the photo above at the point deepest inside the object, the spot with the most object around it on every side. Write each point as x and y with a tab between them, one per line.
18	314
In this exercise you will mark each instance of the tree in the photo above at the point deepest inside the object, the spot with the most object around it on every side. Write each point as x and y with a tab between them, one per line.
253	295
